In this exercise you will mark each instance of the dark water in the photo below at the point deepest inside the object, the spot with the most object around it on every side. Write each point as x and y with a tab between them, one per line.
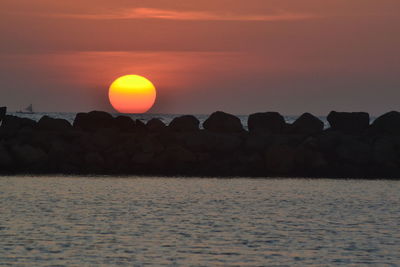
78	221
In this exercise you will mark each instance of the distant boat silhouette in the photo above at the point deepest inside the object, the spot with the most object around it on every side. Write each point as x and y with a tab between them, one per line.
27	110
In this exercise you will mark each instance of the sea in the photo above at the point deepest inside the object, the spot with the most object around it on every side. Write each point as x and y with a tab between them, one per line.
157	221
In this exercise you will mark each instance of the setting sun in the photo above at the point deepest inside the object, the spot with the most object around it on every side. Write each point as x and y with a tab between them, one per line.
132	94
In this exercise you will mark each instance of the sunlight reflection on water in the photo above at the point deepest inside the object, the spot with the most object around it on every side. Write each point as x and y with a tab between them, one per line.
75	221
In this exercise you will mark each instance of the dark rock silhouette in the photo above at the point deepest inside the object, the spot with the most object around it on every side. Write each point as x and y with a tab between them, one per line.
349	122
3	112
268	122
93	121
49	124
222	122
187	123
307	124
388	123
156	125
6	160
33	158
124	123
140	126
97	143
13	123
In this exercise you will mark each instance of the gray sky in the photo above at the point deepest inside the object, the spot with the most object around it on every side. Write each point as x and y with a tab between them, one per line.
241	56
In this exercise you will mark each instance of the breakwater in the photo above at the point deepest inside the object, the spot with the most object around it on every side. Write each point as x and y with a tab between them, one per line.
98	143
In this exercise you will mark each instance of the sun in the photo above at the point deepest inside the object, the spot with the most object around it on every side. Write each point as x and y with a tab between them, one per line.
132	94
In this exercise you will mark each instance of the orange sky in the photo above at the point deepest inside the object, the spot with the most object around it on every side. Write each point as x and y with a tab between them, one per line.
240	56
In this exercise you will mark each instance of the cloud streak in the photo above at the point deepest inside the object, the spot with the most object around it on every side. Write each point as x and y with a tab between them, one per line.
165	14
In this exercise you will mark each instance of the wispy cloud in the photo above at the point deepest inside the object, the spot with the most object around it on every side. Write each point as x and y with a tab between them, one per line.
164	14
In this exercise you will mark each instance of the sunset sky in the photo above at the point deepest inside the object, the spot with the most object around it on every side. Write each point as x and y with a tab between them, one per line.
240	56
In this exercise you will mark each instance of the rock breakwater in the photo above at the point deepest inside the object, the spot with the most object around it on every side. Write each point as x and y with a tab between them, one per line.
98	143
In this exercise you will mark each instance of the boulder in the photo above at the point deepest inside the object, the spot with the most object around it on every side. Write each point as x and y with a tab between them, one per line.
206	141
29	156
257	142
150	144
222	122
310	162
140	126
94	162
353	151
175	159
388	123
6	161
13	123
93	121
349	122
187	123
267	122
49	124
199	141
155	125
307	124
142	158
3	112
226	143
386	149
103	139
179	154
280	159
124	123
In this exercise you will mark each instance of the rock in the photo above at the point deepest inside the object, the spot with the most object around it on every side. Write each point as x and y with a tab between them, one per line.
140	126
268	122
12	123
205	141
280	159
307	124
310	162
104	139
143	158
29	156
354	151
222	122
179	154
349	122
175	159
200	141
388	123
64	155
257	142
329	140
150	144
187	123
94	162
248	163
49	124
124	123
226	143
93	121
6	161
386	149
3	112
155	125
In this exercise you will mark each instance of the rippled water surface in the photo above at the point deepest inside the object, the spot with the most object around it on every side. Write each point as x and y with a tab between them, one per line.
80	221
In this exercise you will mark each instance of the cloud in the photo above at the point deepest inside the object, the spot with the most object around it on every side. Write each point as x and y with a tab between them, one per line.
165	14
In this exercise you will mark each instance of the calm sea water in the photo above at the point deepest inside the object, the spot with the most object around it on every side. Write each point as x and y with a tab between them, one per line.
83	221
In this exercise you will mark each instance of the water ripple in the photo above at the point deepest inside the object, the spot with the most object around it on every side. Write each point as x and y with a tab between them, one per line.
72	221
